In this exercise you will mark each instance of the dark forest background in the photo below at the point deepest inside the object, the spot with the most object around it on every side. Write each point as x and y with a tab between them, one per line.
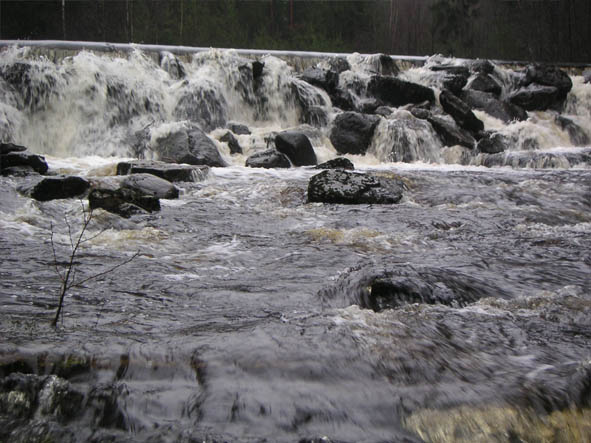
542	30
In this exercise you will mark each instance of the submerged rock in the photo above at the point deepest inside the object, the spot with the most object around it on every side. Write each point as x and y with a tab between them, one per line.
449	133
337	163
395	92
57	187
188	145
352	132
339	186
460	112
501	109
268	159
167	171
297	147
23	158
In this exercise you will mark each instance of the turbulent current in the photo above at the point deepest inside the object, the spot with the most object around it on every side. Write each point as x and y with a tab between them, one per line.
460	314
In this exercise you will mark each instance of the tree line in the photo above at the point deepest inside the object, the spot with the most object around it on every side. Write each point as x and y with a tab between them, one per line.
542	30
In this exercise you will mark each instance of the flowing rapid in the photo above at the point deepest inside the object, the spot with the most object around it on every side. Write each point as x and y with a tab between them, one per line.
462	313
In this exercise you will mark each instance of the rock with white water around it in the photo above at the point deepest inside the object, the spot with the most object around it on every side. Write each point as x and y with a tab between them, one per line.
5	148
482	66
149	184
268	159
233	144
485	83
122	201
55	187
23	158
449	133
460	112
321	78
337	163
395	92
455	83
352	132
548	76
339	186
190	145
492	143
238	128
297	147
535	97
167	171
503	110
576	133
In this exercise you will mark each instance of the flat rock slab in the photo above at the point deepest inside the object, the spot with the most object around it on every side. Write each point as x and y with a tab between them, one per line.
54	188
167	171
23	158
340	186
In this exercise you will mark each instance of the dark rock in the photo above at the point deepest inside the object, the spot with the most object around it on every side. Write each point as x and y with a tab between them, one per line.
576	133
18	171
202	105
455	83
452	69
395	92
188	145
387	65
321	78
337	163
257	69
447	131
587	75
492	143
460	112
549	76
233	144
352	132
268	159
311	103
343	100
149	184
297	147
339	186
172	65
167	171
482	67
238	128
537	159
34	83
53	188
339	64
5	148
24	158
485	83
535	97
503	110
103	403
369	105
122	201
384	111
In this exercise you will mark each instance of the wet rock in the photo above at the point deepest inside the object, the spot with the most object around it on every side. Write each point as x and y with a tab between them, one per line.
482	67
233	144
257	69
352	132
338	64
24	158
188	145
576	133
460	112
34	84
149	184
202	105
43	431
587	75
343	100
395	92
449	133
339	186
172	65
549	76
492	143
321	78
452	69
485	83
337	163
167	171
535	97
503	110
268	159
105	410
384	111
123	202
387	65
238	128
369	105
537	159
5	148
18	171
455	83
311	103
54	188
297	147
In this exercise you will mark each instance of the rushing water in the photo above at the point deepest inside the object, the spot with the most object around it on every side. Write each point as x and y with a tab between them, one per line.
246	315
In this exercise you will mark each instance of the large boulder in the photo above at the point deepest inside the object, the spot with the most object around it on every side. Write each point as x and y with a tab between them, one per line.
485	83
340	186
233	144
482	66
492	143
123	201
337	163
460	112
188	144
455	83
447	131
297	147
167	171
503	110
549	76
352	132
321	78
268	159
202	104
56	187
5	148
395	92
535	97
238	128
576	133
23	158
149	184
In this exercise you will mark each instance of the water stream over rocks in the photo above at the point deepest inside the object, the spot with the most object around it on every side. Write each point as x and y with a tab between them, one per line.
461	311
